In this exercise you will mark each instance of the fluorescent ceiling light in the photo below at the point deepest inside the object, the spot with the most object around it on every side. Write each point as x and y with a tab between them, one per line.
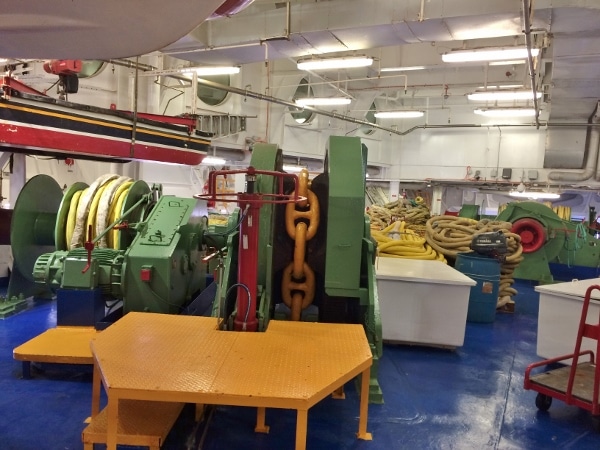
488	54
402	69
506	112
211	70
500	86
501	95
535	195
291	168
212	161
334	63
398	114
509	62
323	101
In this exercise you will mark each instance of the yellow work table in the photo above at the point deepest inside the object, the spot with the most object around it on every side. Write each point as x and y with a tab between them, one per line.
61	345
170	358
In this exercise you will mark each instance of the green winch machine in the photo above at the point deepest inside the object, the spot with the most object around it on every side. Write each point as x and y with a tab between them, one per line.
95	246
549	240
117	239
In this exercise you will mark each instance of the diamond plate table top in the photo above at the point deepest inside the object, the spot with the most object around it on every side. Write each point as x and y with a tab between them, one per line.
292	364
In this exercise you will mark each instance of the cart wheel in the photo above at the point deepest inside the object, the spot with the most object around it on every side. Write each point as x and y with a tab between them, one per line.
543	402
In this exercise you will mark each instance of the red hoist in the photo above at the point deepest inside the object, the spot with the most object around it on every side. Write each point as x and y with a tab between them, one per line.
67	70
250	203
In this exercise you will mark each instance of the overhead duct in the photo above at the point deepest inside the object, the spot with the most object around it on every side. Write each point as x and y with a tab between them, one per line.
592	148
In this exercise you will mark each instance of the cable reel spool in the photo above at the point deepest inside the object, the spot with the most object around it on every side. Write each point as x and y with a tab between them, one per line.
45	220
97	206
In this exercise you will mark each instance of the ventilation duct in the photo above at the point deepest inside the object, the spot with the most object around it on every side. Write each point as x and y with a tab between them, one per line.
592	147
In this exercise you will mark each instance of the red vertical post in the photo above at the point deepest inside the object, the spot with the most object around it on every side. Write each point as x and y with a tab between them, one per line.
245	318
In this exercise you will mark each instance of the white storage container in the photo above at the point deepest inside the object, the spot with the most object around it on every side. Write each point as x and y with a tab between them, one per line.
560	314
422	302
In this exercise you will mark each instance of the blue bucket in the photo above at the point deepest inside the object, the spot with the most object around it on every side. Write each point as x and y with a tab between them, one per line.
484	296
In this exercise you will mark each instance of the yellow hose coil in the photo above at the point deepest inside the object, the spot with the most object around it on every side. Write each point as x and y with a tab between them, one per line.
115	211
91	217
71	216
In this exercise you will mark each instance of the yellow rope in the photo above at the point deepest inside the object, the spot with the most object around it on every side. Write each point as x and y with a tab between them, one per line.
71	216
97	206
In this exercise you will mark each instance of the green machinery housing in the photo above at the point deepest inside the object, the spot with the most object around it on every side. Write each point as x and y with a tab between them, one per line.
156	265
549	240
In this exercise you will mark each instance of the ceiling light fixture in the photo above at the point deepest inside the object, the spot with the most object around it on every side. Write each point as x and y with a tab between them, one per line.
508	62
535	195
292	168
491	87
334	63
488	54
402	69
212	161
407	114
223	70
503	95
322	101
505	112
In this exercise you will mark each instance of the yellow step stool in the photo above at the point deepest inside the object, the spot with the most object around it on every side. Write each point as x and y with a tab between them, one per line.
140	422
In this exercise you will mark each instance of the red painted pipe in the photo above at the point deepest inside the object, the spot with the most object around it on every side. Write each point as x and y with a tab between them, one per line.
245	318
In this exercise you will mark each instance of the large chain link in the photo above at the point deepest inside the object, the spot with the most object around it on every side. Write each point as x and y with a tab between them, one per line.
301	224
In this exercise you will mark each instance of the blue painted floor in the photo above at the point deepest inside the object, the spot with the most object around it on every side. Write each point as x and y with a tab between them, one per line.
470	398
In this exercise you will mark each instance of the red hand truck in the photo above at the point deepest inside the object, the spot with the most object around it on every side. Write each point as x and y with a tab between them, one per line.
577	384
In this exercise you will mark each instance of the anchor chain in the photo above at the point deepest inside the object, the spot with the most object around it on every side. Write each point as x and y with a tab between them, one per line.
301	224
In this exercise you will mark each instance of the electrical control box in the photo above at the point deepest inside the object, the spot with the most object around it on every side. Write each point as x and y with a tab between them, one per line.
506	174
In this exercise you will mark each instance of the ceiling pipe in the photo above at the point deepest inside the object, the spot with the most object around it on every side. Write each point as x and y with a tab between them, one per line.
352	80
592	144
130	64
527	32
268	98
344	118
289	104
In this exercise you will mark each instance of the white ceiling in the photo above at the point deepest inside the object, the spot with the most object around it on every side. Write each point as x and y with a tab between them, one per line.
411	33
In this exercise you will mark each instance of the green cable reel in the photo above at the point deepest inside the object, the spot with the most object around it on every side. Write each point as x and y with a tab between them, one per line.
39	221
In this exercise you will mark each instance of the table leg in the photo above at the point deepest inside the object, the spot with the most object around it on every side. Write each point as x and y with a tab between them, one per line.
26	369
301	425
112	416
364	406
260	421
96	391
199	412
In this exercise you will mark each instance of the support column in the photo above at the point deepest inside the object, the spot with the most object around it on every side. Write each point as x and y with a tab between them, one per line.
436	201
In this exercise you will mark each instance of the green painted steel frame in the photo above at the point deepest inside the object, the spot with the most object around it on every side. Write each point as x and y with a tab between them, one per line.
346	170
167	244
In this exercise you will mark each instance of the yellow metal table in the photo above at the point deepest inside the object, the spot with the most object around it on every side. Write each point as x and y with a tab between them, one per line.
61	345
169	358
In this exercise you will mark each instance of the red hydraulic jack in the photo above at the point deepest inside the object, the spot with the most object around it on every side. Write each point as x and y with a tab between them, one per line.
250	203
